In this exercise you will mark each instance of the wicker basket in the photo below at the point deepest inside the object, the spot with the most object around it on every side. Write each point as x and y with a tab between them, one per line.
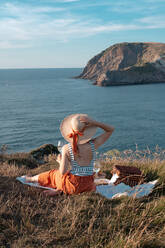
129	175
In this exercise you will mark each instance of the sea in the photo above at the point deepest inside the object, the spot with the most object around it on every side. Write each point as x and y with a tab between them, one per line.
33	102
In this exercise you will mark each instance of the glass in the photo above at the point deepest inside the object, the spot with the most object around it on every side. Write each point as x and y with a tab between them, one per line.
96	167
60	145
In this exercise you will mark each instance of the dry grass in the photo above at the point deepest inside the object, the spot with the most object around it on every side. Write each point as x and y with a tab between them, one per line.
29	219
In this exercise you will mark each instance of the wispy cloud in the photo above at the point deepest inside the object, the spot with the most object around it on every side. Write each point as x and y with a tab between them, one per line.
25	27
126	6
64	1
153	21
155	2
68	1
23	10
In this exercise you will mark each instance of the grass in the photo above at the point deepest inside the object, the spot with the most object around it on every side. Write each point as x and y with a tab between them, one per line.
29	219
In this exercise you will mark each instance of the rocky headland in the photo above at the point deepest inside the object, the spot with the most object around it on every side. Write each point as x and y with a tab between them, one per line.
127	63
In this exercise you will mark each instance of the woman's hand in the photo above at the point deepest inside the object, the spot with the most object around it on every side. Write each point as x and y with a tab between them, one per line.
87	121
58	159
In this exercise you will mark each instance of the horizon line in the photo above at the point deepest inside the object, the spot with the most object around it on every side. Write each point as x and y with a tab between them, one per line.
24	68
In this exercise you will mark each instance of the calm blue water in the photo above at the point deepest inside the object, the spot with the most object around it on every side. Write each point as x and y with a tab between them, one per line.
33	102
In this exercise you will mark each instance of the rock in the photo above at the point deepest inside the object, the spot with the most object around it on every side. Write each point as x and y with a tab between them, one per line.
23	159
127	63
44	150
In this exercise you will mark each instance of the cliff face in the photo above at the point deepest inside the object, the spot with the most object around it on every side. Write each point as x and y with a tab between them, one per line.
127	63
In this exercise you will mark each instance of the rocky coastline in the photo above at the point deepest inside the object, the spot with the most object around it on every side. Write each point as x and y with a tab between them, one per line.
127	64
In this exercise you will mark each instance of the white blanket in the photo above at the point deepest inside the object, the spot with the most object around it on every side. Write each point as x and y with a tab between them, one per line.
109	190
23	180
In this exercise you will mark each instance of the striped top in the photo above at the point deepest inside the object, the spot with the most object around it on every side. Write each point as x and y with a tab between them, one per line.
82	170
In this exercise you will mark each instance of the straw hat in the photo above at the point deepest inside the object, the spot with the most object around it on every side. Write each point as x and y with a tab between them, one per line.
72	124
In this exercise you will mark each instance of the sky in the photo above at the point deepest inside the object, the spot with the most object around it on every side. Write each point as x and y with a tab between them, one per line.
67	33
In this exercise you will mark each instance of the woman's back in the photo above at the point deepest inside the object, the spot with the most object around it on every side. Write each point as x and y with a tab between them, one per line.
82	163
85	154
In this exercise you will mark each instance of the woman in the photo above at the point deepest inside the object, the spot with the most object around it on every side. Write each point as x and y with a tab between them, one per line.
75	174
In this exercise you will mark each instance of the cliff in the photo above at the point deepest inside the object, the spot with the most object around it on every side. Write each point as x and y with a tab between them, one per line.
127	63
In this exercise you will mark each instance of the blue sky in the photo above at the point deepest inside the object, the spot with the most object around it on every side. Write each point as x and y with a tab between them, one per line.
67	33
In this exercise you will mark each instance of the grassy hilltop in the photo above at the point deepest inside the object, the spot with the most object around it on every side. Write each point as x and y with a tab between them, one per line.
30	219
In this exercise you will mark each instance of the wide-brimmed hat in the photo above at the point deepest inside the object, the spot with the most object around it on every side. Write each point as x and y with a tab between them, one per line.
72	124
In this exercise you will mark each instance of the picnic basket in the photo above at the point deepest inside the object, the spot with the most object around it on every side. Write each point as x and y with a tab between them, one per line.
129	175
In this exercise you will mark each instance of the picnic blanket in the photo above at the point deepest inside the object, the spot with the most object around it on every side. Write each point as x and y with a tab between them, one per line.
111	191
37	185
106	188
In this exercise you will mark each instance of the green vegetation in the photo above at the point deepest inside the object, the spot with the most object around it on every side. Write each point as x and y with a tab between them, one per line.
29	219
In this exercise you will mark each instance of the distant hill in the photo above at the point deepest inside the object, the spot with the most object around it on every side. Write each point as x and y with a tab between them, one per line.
127	63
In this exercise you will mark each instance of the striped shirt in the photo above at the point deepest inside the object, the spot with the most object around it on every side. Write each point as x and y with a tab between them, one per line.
82	170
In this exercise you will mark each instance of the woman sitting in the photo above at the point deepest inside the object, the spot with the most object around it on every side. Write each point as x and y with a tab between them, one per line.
75	174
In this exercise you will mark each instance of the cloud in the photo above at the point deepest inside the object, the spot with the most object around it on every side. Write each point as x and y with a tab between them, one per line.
153	21
154	2
24	26
62	1
120	6
10	45
67	1
9	9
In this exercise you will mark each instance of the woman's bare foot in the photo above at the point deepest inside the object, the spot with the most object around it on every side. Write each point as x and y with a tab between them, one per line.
28	179
31	179
52	192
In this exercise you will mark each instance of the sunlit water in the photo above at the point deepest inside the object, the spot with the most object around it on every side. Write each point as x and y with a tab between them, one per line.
33	102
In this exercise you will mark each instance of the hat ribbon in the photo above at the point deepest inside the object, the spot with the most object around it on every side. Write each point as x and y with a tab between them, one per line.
75	135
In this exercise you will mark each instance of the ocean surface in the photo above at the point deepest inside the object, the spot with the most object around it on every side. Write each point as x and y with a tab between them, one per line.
33	102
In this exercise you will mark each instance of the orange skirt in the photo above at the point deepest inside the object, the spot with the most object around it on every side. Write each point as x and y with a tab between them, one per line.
68	183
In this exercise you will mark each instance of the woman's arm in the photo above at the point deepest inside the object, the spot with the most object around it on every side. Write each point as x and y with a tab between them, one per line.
101	139
108	130
64	162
